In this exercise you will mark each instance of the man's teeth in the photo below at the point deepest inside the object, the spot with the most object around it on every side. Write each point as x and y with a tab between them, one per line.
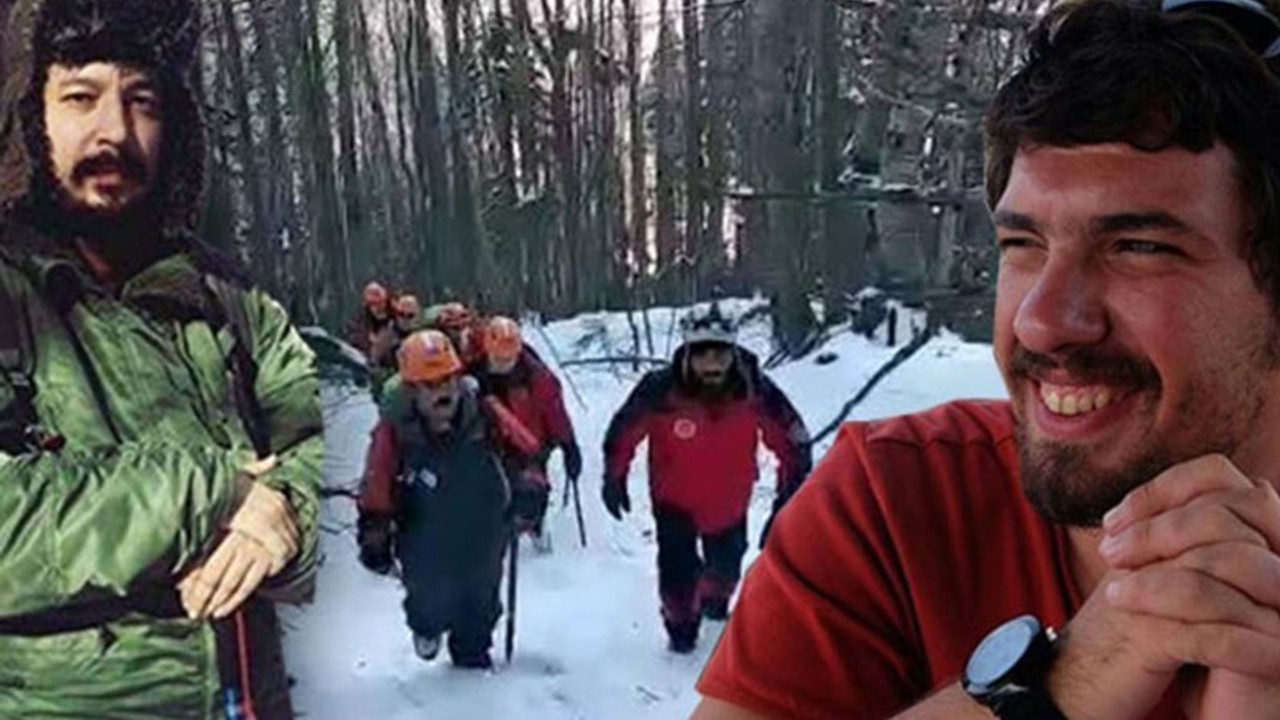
1075	401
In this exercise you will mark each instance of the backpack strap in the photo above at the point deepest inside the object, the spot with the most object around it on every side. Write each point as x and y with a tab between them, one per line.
226	309
18	420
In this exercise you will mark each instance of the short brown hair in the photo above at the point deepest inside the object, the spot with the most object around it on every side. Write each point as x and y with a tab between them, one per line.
1100	71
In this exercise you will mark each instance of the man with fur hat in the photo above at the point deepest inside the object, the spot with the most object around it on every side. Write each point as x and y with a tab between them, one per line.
159	428
703	417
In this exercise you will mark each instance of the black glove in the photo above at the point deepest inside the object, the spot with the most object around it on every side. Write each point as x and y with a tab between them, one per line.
376	534
615	498
572	461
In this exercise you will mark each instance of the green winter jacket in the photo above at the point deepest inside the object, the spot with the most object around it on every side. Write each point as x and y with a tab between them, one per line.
139	386
137	381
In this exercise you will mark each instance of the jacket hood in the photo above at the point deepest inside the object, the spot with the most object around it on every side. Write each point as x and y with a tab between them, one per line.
161	35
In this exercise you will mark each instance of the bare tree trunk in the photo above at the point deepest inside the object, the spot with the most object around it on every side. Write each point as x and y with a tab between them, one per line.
278	219
353	220
568	254
429	155
842	248
695	208
380	186
718	55
247	157
462	246
667	242
639	201
783	68
330	257
217	223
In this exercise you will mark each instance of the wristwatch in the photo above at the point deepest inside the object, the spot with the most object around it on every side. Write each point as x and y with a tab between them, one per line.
1006	671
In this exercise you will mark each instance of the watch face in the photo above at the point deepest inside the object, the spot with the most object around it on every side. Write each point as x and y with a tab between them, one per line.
1000	651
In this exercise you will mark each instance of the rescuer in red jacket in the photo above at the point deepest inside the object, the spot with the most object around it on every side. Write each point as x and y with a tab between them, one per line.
513	374
704	416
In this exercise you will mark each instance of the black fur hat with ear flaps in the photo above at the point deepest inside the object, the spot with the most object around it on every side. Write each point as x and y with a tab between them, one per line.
162	36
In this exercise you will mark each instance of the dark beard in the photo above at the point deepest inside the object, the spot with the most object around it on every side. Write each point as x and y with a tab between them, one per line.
129	240
713	392
1057	481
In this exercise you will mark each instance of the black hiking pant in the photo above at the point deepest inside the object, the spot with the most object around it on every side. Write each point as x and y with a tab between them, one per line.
687	578
452	586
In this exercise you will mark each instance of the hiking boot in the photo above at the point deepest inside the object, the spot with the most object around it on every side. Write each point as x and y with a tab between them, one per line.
542	542
426	647
715	609
683	637
473	660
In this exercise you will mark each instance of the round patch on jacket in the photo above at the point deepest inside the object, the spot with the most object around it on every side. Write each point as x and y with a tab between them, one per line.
685	429
423	477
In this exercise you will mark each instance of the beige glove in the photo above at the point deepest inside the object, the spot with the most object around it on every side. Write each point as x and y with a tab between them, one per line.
262	538
231	574
266	517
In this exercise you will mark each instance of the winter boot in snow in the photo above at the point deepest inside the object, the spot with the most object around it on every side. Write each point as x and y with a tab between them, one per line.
542	541
683	636
426	647
479	660
715	608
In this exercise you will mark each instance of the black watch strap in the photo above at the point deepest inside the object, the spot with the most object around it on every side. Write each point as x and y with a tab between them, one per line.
1026	704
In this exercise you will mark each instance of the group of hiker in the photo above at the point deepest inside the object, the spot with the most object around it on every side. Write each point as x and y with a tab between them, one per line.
457	467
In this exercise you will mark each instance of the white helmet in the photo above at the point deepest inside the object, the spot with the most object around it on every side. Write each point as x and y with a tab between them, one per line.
708	326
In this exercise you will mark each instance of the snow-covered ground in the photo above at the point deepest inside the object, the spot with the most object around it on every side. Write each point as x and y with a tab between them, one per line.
589	641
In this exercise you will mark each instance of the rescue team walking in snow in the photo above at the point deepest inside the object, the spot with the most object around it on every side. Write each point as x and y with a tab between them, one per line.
437	499
160	432
703	417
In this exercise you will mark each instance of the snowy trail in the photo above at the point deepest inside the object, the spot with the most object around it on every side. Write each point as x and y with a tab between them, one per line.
589	639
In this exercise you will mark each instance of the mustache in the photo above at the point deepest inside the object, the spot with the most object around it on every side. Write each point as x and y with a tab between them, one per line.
126	163
1090	366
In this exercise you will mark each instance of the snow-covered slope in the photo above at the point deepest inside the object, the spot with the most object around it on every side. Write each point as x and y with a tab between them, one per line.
589	640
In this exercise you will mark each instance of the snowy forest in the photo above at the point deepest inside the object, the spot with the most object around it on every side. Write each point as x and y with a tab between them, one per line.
571	155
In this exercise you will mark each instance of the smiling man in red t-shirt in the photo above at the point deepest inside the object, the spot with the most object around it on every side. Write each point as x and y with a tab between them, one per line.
1126	493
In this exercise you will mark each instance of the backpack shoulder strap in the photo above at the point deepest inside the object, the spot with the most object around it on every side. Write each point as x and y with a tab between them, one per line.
227	309
18	418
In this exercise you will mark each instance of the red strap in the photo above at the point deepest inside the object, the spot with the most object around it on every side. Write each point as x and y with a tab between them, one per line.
512	430
246	688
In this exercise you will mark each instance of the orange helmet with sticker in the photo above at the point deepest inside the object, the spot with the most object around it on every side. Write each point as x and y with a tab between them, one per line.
427	356
502	339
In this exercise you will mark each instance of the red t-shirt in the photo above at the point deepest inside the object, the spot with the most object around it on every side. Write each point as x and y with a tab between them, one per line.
907	545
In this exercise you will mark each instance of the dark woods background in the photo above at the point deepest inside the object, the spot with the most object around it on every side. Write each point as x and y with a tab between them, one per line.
565	155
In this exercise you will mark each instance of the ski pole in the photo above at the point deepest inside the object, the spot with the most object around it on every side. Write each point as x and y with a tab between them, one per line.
512	564
577	506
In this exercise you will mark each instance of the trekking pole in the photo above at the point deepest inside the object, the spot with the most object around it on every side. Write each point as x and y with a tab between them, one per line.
577	506
512	564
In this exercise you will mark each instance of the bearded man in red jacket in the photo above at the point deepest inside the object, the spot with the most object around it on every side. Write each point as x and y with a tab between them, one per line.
704	417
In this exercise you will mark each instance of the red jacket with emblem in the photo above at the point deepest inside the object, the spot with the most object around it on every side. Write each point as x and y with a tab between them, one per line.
702	452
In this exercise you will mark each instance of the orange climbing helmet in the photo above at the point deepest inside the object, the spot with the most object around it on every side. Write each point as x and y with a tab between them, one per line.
502	340
427	356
